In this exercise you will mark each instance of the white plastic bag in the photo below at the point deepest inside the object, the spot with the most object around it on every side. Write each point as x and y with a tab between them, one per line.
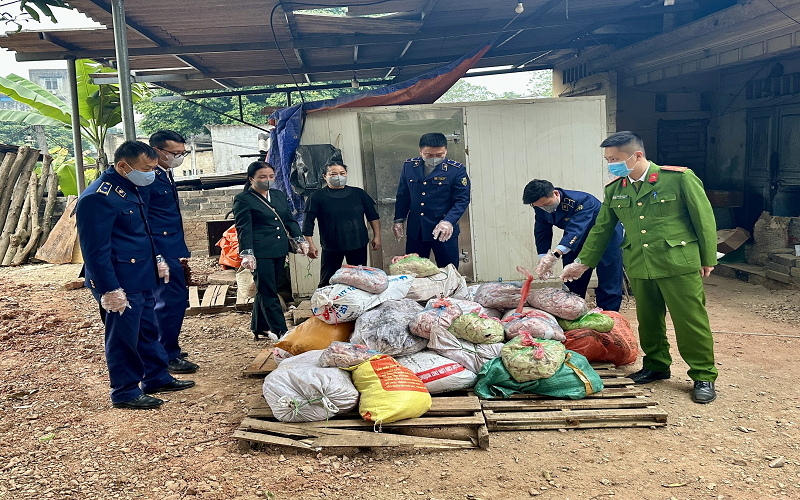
438	373
447	283
470	356
440	312
539	324
279	355
340	303
245	286
385	328
299	390
468	306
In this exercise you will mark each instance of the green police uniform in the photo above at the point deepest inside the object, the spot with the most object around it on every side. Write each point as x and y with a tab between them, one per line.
670	233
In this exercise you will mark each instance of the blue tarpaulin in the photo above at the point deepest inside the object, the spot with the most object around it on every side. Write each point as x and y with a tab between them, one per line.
423	89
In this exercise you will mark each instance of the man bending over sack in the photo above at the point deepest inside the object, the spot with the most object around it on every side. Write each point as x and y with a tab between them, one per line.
575	213
670	246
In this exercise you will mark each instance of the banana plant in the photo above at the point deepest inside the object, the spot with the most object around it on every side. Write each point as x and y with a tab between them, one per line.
99	106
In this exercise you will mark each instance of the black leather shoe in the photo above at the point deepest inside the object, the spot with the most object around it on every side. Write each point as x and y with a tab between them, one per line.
703	392
180	365
141	402
175	385
183	354
645	376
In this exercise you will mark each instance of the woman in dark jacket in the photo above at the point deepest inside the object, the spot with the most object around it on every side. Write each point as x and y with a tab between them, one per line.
264	226
340	210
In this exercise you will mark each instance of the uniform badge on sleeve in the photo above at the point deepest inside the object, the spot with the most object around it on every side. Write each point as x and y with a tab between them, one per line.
464	181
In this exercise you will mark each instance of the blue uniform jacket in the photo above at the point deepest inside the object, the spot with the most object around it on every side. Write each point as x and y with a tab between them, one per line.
164	216
425	201
115	240
576	215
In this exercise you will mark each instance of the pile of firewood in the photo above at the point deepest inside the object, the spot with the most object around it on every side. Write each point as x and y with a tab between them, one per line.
21	194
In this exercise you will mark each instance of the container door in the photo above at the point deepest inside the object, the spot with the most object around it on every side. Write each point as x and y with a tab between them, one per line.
388	139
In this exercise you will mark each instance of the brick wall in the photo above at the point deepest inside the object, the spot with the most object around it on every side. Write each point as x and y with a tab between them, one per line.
197	207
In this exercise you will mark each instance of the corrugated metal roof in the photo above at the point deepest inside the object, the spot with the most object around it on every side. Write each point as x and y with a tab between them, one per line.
230	43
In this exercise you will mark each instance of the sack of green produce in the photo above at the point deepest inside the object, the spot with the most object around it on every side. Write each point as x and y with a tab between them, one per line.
594	320
441	312
559	303
539	324
527	358
413	264
575	379
477	328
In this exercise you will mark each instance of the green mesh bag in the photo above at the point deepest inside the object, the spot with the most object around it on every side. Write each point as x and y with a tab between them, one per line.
574	380
413	264
593	321
477	328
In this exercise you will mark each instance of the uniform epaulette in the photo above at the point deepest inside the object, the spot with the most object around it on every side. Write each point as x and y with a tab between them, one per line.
104	188
415	161
455	163
671	168
120	192
158	171
615	179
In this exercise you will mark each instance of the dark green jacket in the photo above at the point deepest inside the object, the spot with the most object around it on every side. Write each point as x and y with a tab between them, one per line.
257	227
669	224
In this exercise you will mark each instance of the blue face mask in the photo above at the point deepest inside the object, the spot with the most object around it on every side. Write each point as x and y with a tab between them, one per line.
620	168
140	178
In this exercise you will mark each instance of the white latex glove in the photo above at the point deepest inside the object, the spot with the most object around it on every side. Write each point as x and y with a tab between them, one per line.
399	230
163	268
544	269
115	301
249	262
573	271
443	231
303	248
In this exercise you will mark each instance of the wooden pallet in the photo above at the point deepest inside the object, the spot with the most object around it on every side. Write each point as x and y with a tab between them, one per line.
619	404
262	365
453	422
215	300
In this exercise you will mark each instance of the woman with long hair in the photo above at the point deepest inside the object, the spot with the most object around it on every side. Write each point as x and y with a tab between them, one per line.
264	227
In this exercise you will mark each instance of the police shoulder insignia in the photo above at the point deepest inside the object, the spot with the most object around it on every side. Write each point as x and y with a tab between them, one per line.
464	181
672	168
414	162
158	171
612	181
120	192
653	177
580	207
454	163
104	188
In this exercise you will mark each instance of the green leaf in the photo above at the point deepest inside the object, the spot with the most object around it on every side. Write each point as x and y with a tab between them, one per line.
27	92
27	117
84	68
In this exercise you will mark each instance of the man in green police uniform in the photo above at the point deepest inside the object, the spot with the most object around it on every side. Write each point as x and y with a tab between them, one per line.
670	245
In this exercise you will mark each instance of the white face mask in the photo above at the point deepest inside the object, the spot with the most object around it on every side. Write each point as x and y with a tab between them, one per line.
173	161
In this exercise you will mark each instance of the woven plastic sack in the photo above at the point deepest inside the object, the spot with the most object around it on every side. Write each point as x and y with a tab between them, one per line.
618	346
539	324
565	305
368	279
279	355
502	295
245	286
313	335
440	312
385	328
471	356
478	329
337	303
574	380
413	264
469	306
527	358
593	321
229	249
389	391
345	355
299	390
447	283
513	312
438	373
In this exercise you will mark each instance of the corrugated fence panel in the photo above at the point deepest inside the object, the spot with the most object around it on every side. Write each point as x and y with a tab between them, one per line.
513	143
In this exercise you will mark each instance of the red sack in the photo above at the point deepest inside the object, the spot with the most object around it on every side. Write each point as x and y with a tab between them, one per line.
229	244
619	346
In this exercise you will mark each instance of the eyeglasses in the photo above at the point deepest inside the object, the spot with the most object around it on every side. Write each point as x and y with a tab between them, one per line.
176	155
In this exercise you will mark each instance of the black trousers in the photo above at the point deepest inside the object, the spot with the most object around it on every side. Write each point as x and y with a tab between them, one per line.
446	252
331	261
267	312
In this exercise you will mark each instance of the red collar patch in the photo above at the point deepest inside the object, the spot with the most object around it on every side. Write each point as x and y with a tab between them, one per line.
653	177
625	182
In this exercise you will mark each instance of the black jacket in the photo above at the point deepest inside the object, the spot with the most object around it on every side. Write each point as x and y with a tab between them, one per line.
257	227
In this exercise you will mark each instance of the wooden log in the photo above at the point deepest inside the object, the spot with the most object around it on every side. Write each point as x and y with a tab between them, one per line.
50	206
44	176
35	231
22	232
30	156
60	244
6	183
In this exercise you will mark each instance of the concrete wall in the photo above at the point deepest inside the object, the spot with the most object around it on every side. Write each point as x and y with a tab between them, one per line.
197	207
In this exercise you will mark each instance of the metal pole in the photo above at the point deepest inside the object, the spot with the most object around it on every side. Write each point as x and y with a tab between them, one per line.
194	158
77	141
123	68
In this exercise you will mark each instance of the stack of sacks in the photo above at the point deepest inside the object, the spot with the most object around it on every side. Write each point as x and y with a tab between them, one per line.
339	303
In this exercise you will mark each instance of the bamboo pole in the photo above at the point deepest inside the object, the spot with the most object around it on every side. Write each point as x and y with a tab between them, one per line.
17	195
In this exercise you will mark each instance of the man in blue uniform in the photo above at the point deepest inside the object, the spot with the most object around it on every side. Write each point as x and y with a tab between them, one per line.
121	272
574	212
432	196
166	224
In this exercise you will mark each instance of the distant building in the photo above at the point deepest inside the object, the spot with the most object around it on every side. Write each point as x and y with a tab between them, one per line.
53	80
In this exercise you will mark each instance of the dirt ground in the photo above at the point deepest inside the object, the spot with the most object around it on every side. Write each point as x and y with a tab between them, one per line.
60	438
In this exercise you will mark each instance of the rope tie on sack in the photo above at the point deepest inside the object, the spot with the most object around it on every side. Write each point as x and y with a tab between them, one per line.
582	376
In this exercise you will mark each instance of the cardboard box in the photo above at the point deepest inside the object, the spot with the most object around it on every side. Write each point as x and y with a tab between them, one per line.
729	240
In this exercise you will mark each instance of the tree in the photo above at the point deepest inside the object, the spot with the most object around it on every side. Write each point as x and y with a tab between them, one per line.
15	133
32	9
467	92
541	83
98	105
